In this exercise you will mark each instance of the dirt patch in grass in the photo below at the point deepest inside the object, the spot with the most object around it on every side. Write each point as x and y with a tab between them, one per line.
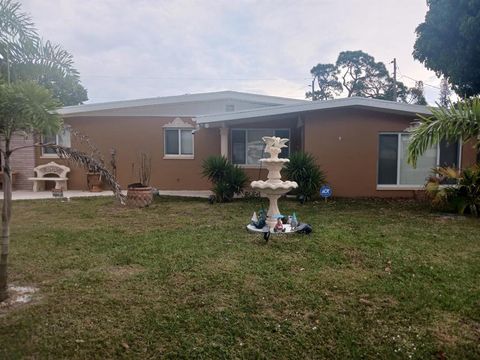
124	271
376	304
19	296
355	256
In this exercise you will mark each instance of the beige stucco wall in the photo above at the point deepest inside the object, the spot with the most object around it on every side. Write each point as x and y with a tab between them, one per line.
345	143
132	135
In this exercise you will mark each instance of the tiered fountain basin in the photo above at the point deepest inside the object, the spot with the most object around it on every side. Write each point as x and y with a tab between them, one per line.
273	188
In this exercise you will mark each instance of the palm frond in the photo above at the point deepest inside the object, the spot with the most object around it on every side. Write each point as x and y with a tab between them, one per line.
14	22
457	121
21	44
17	30
53	56
88	162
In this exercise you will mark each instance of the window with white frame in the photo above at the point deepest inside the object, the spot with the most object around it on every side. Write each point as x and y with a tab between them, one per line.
62	138
178	142
393	168
247	146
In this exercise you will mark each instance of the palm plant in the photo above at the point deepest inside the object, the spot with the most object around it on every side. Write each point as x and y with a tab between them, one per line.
25	56
304	170
463	195
228	179
459	121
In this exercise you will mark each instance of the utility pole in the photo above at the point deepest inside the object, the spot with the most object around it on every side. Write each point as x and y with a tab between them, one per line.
313	89
394	79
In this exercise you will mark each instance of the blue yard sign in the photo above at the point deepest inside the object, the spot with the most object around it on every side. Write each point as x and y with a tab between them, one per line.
326	191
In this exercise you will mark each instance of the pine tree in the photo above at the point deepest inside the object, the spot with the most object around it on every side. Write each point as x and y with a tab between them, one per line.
445	93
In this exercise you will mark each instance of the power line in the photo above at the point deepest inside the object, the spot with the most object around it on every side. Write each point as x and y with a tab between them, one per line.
410	78
424	83
395	79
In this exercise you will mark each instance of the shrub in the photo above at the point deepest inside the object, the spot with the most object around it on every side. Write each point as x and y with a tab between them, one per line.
462	194
228	179
304	170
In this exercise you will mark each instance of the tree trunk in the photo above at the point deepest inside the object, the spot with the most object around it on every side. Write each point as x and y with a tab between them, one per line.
6	212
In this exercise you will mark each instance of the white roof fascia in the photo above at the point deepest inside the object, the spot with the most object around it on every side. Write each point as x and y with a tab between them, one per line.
220	95
374	104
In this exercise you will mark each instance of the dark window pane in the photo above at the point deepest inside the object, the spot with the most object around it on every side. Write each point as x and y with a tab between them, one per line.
284	134
49	139
171	142
387	159
449	154
238	146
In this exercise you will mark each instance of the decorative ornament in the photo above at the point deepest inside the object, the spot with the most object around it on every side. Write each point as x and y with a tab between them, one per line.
294	221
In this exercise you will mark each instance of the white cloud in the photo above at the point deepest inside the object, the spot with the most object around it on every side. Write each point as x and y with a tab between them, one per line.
132	49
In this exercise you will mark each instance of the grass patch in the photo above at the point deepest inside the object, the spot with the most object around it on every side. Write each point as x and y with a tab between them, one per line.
183	279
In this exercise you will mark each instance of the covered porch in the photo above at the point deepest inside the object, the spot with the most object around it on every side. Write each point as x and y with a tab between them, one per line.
241	139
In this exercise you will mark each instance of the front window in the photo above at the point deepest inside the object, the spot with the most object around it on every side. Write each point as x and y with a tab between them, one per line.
248	147
61	139
178	142
393	168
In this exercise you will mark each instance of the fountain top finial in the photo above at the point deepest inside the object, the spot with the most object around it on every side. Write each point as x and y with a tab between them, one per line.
274	145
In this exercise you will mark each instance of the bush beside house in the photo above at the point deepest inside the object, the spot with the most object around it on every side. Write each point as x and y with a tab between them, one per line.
228	179
304	170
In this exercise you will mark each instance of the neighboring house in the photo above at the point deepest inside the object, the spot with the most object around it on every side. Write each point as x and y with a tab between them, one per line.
360	143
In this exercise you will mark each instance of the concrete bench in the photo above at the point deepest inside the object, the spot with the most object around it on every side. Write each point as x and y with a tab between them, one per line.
59	173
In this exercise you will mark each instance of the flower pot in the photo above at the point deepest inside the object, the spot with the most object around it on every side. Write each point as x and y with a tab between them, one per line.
139	196
94	182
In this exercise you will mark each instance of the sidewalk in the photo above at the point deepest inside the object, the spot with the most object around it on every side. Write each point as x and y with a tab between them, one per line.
30	195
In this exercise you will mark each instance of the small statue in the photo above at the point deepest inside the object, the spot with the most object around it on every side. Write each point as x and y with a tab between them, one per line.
261	219
278	226
294	221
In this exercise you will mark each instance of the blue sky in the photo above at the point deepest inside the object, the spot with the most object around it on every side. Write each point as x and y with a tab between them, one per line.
126	49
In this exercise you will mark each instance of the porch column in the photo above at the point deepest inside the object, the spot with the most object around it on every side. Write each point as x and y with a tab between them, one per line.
224	141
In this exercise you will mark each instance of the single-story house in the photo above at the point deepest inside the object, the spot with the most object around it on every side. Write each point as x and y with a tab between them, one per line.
360	143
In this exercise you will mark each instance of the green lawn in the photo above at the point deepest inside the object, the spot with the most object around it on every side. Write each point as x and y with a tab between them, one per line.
183	279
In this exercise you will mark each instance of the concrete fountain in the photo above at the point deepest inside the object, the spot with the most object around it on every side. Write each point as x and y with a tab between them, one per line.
274	187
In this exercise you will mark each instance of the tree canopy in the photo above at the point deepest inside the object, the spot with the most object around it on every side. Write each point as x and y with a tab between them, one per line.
24	56
26	107
448	43
356	73
326	76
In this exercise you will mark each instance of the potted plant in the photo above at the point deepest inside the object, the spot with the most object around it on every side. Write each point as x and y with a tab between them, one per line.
94	178
94	181
140	194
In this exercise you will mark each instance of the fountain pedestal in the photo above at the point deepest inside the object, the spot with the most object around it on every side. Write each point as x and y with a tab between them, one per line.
273	188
